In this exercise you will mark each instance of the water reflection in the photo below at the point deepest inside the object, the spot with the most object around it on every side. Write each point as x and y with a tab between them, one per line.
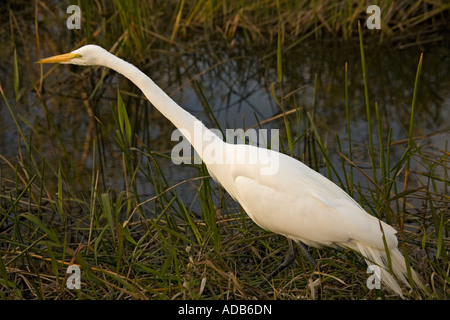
235	82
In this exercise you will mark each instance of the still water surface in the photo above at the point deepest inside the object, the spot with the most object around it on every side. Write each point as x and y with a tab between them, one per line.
235	83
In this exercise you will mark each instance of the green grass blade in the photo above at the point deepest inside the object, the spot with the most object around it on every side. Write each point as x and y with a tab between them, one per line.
279	52
366	95
349	132
16	76
47	230
108	212
208	107
414	101
124	121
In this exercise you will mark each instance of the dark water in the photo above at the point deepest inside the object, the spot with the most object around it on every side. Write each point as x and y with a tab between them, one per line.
235	82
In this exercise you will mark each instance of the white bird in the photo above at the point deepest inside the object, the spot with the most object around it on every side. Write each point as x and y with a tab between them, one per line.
278	192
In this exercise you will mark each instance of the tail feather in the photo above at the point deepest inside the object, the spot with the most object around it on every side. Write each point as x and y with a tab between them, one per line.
374	256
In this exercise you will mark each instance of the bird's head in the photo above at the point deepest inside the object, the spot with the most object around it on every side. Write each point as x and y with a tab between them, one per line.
86	56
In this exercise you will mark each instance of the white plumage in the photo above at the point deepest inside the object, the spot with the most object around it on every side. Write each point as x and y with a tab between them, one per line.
292	199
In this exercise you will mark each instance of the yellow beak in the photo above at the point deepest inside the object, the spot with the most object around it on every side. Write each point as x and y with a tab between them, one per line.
62	58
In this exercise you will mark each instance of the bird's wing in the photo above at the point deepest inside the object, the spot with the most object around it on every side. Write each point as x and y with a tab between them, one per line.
304	205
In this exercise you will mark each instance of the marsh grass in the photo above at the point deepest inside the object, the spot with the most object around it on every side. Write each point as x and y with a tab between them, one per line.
258	20
154	24
131	245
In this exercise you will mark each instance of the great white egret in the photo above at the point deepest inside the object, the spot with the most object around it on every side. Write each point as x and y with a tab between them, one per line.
278	192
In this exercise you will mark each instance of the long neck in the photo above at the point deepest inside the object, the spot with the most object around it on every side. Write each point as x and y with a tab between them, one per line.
192	128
